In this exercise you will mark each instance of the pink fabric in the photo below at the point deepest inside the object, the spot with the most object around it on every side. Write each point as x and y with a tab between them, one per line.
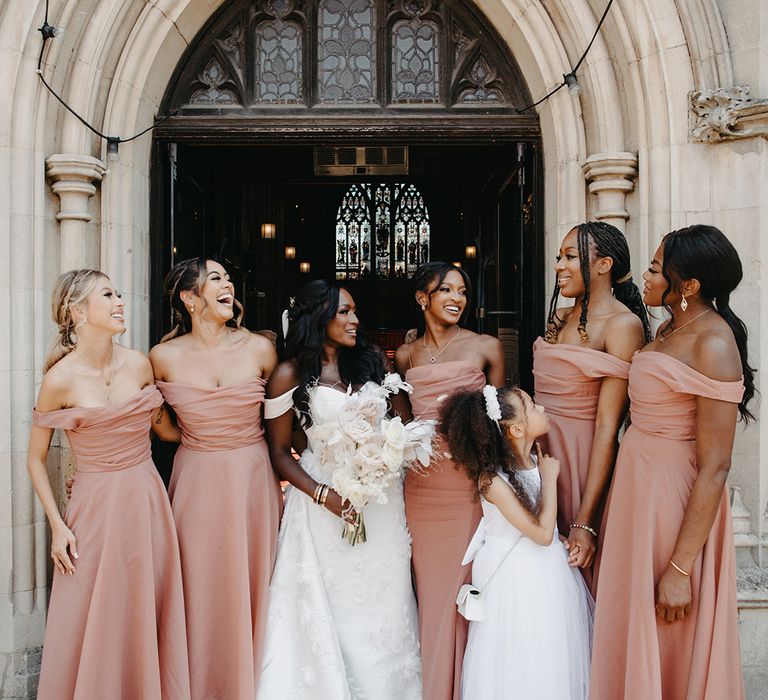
227	503
443	511
568	380
636	655
116	628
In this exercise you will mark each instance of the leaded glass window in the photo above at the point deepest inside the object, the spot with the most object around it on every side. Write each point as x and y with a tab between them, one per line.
415	61
346	51
398	217
278	62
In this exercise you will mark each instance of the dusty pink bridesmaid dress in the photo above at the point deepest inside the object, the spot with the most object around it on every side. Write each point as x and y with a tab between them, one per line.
442	510
636	655
226	501
568	379
115	629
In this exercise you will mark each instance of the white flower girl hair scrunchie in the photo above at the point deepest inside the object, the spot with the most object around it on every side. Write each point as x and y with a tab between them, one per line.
492	407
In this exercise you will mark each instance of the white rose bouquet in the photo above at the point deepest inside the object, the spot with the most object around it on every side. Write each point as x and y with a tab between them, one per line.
369	449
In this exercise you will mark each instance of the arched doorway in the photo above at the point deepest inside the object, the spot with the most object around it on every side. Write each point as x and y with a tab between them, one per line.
281	106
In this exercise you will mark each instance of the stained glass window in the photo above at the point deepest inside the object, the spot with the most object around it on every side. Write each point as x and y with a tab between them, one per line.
346	51
353	234
398	217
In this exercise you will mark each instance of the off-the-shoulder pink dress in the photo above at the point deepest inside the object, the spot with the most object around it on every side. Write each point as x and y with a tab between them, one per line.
568	379
116	628
443	510
636	654
227	502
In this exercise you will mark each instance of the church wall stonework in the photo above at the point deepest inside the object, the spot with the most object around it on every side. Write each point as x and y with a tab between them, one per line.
671	129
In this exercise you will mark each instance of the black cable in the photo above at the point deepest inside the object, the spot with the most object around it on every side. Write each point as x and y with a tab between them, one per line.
45	30
576	67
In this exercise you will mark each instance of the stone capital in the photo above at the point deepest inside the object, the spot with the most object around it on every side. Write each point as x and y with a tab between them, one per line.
611	176
726	114
74	178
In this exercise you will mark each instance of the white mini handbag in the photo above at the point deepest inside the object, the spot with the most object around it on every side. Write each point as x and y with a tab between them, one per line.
470	602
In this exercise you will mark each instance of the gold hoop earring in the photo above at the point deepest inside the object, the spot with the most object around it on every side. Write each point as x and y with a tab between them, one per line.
684	304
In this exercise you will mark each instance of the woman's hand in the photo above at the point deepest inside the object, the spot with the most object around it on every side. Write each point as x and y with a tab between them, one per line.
582	546
68	484
673	595
335	504
64	539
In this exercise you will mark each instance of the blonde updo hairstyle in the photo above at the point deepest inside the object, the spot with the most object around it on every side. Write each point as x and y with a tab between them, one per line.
72	289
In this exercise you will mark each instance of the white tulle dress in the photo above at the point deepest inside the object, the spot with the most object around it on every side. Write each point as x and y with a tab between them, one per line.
534	642
342	621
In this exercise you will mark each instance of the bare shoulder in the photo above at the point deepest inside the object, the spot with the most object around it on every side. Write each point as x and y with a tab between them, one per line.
716	354
283	378
258	343
624	334
54	389
402	358
137	362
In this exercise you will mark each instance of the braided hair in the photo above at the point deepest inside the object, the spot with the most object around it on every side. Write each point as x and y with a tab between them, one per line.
608	242
190	276
704	253
71	289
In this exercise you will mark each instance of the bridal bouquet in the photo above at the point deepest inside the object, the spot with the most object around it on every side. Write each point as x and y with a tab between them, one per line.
370	449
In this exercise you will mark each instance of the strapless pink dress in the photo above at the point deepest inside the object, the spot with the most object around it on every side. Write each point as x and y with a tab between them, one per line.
636	654
227	502
568	379
116	628
442	510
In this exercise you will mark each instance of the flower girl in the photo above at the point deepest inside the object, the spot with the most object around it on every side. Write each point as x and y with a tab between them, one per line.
531	629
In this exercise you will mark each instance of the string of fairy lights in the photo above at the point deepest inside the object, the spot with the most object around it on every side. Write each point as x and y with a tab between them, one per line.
49	32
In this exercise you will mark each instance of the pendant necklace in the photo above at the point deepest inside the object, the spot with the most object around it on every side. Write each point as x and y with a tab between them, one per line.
663	338
433	358
108	380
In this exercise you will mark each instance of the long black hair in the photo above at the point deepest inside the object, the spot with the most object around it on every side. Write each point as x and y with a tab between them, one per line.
477	444
704	253
431	275
608	242
315	305
189	276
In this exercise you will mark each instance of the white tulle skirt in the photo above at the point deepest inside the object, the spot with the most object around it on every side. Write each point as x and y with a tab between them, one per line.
536	639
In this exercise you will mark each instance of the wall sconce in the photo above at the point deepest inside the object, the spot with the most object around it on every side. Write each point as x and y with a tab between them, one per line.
268	230
304	267
290	252
470	252
456	263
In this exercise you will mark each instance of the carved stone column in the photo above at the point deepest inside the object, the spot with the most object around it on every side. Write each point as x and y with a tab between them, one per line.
611	176
74	178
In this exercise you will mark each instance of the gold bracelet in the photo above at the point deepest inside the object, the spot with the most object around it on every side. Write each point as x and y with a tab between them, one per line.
684	573
324	496
316	494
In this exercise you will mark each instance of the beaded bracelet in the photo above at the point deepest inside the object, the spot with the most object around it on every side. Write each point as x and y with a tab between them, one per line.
590	530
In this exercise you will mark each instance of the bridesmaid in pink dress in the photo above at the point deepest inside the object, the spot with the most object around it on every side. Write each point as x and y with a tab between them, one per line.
666	620
441	507
115	624
581	368
225	496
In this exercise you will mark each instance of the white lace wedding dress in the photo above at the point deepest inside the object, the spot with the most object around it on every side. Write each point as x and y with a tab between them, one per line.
342	622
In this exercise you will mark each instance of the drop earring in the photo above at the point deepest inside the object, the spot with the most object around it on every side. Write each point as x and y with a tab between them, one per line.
423	307
684	304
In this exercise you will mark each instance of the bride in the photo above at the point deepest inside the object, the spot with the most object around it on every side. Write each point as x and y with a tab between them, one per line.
342	622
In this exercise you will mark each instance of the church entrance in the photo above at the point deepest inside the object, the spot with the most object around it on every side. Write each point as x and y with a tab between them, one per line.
353	140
